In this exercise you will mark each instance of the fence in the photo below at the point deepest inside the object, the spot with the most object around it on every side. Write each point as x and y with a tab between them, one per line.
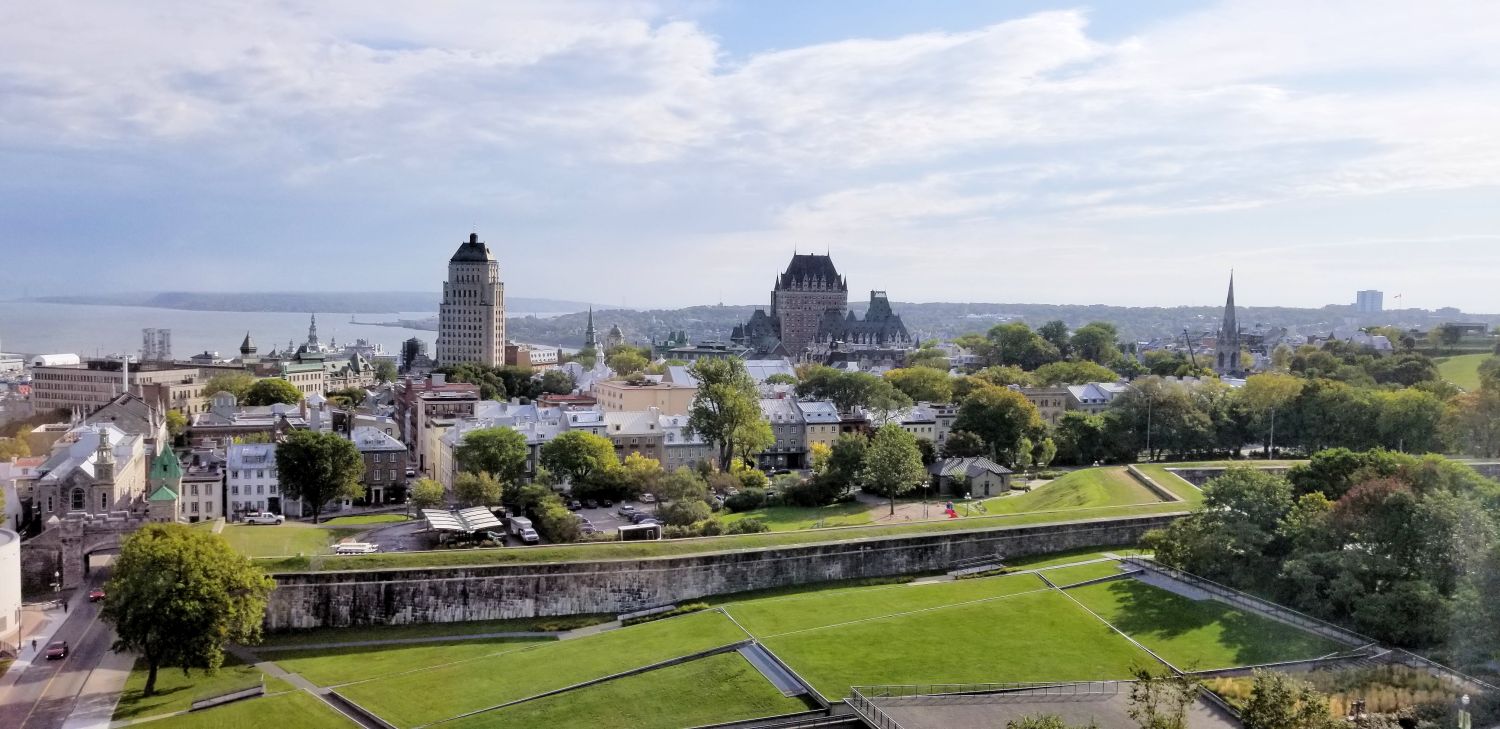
1312	624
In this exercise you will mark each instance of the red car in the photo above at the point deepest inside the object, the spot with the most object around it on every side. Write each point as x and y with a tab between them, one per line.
95	595
57	651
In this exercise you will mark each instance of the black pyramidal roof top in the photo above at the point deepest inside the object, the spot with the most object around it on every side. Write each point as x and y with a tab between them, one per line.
808	267
472	251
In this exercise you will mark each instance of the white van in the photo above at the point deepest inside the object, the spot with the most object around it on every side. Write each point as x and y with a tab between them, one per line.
356	548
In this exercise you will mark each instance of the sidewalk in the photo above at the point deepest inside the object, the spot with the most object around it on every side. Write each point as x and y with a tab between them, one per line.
37	624
101	692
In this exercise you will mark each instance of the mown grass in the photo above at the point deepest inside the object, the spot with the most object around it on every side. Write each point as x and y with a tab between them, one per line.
294	709
790	518
1072	575
176	691
1088	488
333	666
710	690
365	519
1036	636
264	540
672	547
414	699
1043	561
1462	370
431	630
778	615
1198	634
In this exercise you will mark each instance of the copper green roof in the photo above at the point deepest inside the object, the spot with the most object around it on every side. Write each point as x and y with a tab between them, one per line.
163	494
166	470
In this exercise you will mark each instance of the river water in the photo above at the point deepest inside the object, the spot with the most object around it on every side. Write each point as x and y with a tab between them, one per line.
90	330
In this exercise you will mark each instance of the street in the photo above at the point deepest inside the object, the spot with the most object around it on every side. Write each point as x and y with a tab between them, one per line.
45	695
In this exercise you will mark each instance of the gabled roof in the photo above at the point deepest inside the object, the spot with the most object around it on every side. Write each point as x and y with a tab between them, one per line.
162	494
967	467
808	268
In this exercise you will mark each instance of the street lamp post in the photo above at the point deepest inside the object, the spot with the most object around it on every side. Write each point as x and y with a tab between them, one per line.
1271	451
1149	401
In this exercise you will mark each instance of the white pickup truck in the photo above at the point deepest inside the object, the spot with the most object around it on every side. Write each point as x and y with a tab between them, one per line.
263	517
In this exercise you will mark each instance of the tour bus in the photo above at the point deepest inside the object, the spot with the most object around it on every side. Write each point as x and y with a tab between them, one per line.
637	532
356	548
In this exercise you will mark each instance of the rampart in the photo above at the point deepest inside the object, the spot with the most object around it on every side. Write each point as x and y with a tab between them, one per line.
455	594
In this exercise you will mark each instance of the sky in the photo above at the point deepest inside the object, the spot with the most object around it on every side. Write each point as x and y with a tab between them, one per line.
660	154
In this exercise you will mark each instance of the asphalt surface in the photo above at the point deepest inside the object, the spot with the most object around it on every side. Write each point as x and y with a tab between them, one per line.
46	694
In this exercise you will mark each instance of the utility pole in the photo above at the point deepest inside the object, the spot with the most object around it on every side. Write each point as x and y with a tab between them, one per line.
1271	452
1149	400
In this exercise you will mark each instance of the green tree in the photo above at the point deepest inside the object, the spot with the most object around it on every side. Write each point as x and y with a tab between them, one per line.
576	454
626	360
1000	416
1236	535
14	448
1096	342
1472	422
1160	701
1004	376
893	464
235	383
1046	721
922	384
385	371
558	382
1410	421
347	397
178	595
270	391
1278	701
176	423
1043	452
726	409
1015	344
781	378
642	473
682	484
1263	396
883	402
318	467
428	494
928	356
477	489
1080	438
1056	334
499	451
963	444
846	462
1072	373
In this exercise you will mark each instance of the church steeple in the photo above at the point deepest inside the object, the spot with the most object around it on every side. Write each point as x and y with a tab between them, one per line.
591	337
312	333
1227	348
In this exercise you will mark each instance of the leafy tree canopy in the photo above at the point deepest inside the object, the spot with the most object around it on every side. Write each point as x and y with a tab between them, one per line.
318	467
272	390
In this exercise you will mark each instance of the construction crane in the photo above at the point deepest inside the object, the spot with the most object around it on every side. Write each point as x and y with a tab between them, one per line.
1187	340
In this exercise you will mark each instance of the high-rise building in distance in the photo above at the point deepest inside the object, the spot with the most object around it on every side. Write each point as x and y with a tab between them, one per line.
156	345
471	319
1369	301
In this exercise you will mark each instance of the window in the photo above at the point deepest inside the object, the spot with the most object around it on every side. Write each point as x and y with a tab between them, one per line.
234	474
49	503
393	474
273	489
104	502
234	491
77	502
260	473
195	507
260	489
195	489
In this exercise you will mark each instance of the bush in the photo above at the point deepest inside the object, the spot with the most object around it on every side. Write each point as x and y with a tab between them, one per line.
709	528
747	526
747	500
721	483
684	512
816	491
751	478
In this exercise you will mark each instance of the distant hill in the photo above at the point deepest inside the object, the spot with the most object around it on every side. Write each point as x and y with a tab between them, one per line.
354	302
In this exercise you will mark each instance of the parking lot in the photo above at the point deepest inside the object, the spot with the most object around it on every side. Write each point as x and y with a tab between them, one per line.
606	519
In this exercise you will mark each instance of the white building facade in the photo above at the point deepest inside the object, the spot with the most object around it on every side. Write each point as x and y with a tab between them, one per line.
471	319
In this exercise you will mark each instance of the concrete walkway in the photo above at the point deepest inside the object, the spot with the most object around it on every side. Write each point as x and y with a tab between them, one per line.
101	692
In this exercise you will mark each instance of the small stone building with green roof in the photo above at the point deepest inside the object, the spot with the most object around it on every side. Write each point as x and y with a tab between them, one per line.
164	482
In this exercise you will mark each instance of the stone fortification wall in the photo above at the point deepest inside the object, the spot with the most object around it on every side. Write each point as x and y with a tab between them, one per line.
454	594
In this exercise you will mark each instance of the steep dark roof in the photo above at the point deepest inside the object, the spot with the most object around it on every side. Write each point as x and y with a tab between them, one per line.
472	251
807	268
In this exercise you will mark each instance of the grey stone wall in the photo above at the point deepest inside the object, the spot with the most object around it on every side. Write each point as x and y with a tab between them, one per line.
454	594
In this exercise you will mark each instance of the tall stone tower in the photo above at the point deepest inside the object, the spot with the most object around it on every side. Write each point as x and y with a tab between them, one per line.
808	288
1227	349
471	320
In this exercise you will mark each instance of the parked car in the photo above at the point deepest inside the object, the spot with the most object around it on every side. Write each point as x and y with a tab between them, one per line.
606	503
587	529
575	505
57	651
529	536
626	510
591	504
96	594
495	537
648	498
639	517
264	517
648	520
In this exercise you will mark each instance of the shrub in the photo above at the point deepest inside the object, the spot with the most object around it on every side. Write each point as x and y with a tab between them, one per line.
747	500
747	526
817	491
684	512
709	528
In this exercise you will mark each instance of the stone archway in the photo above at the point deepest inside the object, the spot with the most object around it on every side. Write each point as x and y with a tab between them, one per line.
64	548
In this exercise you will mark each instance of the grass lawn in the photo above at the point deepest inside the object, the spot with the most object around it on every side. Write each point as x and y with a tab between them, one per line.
633	550
709	690
1462	370
413	699
1042	561
295	709
333	666
1064	576
258	540
176	691
1088	488
429	630
1040	636
1198	634
364	519
788	518
779	615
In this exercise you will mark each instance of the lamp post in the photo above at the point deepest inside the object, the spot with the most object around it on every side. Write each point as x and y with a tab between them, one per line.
1149	400
1464	720
1271	451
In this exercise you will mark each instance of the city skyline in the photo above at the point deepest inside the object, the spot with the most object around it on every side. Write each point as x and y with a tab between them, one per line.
1041	152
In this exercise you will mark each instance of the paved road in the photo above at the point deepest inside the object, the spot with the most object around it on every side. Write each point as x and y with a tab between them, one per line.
46	694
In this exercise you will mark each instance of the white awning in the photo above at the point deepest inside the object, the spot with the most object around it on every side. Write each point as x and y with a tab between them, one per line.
468	520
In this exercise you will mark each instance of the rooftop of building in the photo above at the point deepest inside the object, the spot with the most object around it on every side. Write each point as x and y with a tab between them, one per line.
368	439
807	269
472	251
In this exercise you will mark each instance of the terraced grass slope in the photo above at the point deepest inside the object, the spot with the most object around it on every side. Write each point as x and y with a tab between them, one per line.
1198	634
176	691
264	540
428	695
290	710
1074	574
716	689
1462	370
1088	488
334	666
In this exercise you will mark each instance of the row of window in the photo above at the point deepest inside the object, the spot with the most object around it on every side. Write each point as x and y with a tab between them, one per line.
260	490
258	473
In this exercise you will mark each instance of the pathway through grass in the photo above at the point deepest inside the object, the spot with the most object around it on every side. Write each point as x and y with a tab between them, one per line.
291	710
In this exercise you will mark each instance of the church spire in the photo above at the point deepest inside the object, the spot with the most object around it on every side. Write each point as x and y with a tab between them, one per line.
312	333
1227	348
590	337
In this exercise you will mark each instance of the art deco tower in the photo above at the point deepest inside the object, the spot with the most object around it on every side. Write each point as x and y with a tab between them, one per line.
471	320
